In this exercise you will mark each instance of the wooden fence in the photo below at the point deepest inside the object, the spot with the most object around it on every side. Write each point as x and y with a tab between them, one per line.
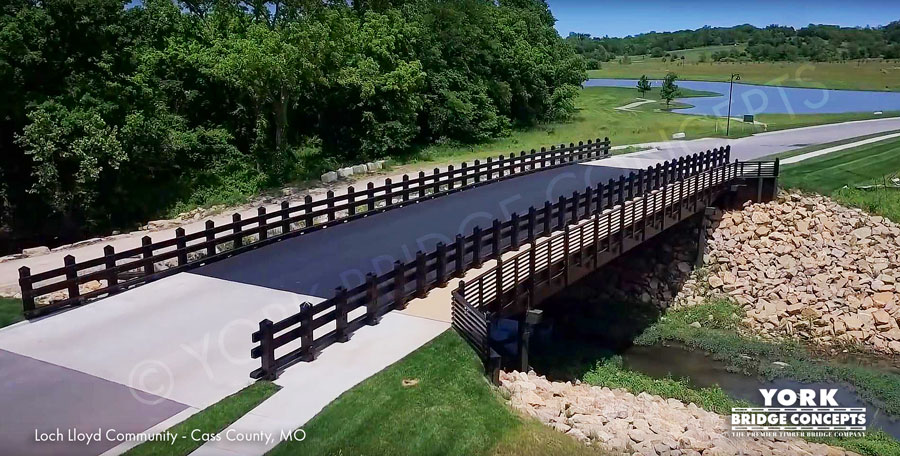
125	269
518	283
300	337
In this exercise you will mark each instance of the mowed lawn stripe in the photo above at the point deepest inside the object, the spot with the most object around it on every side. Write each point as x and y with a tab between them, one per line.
852	166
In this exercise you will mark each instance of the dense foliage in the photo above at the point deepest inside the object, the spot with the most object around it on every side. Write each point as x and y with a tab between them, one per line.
814	42
113	114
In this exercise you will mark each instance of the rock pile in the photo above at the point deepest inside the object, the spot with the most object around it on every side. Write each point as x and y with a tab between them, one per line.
806	267
644	424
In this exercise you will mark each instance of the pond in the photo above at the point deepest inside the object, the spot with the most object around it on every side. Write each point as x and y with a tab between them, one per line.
756	99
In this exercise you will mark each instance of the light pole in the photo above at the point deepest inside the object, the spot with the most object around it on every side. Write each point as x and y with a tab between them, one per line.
734	76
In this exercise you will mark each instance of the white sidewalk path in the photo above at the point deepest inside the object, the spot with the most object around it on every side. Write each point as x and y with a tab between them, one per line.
308	387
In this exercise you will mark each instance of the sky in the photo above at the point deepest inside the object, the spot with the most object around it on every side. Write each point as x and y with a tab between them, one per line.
620	18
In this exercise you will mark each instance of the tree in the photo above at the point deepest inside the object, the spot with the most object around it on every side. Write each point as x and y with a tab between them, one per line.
643	84
669	90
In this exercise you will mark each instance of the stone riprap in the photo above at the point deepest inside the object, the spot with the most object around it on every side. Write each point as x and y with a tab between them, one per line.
806	267
642	424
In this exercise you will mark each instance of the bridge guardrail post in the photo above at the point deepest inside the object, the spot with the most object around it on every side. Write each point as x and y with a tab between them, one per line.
209	226
285	215
421	274
308	209
514	231
26	285
112	275
372	317
267	350
236	230
261	224
147	254
532	221
441	266
181	246
561	213
306	336
340	308
399	285
476	247
460	260
548	216
496	230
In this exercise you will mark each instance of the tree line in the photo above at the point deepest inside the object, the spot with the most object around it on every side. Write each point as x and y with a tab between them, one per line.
113	114
813	42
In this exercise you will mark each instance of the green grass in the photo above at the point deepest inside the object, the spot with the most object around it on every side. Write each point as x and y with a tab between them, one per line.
10	311
815	147
597	118
451	411
211	420
868	164
870	75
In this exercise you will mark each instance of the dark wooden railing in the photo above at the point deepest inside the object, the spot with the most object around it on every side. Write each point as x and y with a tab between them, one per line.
302	336
132	267
518	283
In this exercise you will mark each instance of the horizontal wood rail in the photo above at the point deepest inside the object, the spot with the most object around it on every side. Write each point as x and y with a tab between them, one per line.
300	337
520	282
133	267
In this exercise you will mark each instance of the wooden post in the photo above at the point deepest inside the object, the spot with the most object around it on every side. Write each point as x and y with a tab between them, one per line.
566	231
640	182
543	157
306	335
437	183
441	264
610	191
26	286
340	318
598	197
501	164
147	253
498	270
112	275
526	325
630	185
329	201
236	229
621	226
388	192
561	214
548	214
450	177
308	209
421	273
460	260
477	171
464	174
476	247
514	231
71	276
370	197
372	317
574	217
267	350
405	187
351	201
181	246
285	214
399	285
495	243
532	221
532	275
210	238
588	197
261	224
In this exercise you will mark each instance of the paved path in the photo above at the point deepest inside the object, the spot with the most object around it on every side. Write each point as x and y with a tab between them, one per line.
183	341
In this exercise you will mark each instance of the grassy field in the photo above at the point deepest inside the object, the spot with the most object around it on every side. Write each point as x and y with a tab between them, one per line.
10	311
451	411
598	118
869	164
211	420
868	75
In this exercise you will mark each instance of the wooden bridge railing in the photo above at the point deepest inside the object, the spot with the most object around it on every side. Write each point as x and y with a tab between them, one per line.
520	282
136	266
302	336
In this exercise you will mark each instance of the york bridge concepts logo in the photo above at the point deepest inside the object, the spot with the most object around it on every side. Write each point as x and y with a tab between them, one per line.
798	413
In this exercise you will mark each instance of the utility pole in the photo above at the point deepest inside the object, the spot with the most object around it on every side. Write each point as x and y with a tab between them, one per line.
734	76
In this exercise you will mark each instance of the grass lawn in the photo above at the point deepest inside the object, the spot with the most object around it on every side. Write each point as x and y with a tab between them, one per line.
451	411
598	118
868	164
10	311
211	420
869	75
803	150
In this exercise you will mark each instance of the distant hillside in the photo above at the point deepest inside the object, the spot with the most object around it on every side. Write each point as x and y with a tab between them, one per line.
819	43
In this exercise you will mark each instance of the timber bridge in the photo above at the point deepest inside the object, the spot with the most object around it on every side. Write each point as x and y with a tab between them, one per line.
552	216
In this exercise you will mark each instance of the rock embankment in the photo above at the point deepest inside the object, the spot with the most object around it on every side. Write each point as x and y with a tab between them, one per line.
640	424
807	267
